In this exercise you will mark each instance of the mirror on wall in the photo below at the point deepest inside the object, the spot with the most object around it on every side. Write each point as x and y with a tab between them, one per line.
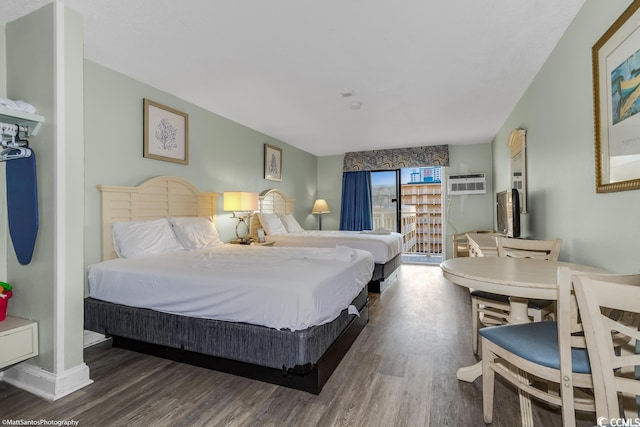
518	175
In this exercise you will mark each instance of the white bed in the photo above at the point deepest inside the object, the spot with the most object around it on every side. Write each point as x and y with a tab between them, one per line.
386	247
281	315
281	288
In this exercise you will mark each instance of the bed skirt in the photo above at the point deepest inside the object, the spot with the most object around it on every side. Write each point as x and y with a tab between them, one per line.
299	359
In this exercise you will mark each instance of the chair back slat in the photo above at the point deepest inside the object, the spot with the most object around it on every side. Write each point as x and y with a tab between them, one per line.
523	248
610	311
567	318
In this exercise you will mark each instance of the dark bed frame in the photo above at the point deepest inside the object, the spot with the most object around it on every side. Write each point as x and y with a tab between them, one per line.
184	339
384	274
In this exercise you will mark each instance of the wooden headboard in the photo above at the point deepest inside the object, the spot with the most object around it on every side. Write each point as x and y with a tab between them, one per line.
155	198
270	201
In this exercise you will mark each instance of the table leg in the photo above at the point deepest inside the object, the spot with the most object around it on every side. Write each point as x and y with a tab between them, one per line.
469	373
518	310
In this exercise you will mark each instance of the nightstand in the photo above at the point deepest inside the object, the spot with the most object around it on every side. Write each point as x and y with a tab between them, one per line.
18	340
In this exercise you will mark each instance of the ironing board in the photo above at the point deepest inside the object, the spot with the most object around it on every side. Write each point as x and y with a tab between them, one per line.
22	205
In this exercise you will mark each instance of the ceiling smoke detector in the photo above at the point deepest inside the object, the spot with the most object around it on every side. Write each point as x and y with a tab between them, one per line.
356	105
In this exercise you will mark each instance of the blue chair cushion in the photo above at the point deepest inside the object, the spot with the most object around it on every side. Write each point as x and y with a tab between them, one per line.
536	342
534	303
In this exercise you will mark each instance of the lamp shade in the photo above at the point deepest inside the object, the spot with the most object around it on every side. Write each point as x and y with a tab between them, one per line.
320	207
240	201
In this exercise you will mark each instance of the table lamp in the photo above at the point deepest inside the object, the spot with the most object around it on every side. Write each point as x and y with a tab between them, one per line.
320	207
242	204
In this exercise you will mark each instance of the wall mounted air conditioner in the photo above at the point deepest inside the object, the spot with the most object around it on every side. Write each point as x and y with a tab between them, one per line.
472	183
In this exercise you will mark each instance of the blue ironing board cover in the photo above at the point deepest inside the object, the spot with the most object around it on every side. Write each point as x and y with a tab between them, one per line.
22	205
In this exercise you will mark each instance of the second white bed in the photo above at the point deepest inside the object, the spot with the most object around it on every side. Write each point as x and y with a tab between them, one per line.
383	247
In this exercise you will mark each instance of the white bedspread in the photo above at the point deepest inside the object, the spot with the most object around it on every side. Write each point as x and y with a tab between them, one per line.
281	288
383	247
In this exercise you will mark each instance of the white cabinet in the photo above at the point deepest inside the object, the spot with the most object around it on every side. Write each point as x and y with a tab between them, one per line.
18	340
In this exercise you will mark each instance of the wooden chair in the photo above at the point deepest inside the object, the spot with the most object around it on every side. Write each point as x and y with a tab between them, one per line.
521	248
533	355
494	308
613	344
461	243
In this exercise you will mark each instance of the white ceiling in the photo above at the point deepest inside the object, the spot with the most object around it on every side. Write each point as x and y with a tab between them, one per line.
426	71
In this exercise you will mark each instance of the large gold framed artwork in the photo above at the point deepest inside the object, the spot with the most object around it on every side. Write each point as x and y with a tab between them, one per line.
616	89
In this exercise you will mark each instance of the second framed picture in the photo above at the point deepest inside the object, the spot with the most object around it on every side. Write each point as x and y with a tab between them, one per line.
272	163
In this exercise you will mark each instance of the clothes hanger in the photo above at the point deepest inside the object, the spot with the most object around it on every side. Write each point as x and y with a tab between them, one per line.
14	153
18	148
17	141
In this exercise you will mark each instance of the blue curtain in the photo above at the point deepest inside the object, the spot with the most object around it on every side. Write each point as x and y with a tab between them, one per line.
356	209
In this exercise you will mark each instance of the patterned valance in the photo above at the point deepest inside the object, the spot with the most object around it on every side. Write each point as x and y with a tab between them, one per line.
396	158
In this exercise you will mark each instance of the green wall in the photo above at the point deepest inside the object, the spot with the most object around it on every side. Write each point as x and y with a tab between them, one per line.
469	211
3	62
72	184
223	155
3	194
30	61
49	289
330	189
557	112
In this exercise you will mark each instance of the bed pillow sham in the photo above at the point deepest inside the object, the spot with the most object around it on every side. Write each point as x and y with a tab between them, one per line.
272	224
195	232
290	223
137	238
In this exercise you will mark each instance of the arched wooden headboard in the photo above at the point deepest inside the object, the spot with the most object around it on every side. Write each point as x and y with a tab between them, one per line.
270	201
155	198
275	201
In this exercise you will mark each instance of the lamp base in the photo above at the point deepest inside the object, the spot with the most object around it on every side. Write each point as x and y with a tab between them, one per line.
242	220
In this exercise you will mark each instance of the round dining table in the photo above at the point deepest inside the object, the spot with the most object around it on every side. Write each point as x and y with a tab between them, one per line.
519	278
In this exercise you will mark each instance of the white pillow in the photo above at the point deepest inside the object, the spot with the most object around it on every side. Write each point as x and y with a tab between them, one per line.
290	223
272	224
136	238
194	232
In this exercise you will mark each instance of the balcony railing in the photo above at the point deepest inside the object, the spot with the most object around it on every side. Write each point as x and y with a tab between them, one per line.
384	219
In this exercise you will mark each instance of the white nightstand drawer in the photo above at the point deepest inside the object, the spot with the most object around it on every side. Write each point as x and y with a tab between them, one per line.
18	340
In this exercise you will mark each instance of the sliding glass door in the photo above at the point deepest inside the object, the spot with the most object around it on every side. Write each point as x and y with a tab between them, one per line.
385	187
422	210
409	201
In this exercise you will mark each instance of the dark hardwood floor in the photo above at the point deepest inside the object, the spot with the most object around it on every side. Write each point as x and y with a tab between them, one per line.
400	372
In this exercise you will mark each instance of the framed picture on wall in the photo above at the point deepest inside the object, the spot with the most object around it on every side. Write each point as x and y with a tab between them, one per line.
272	163
616	89
166	133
